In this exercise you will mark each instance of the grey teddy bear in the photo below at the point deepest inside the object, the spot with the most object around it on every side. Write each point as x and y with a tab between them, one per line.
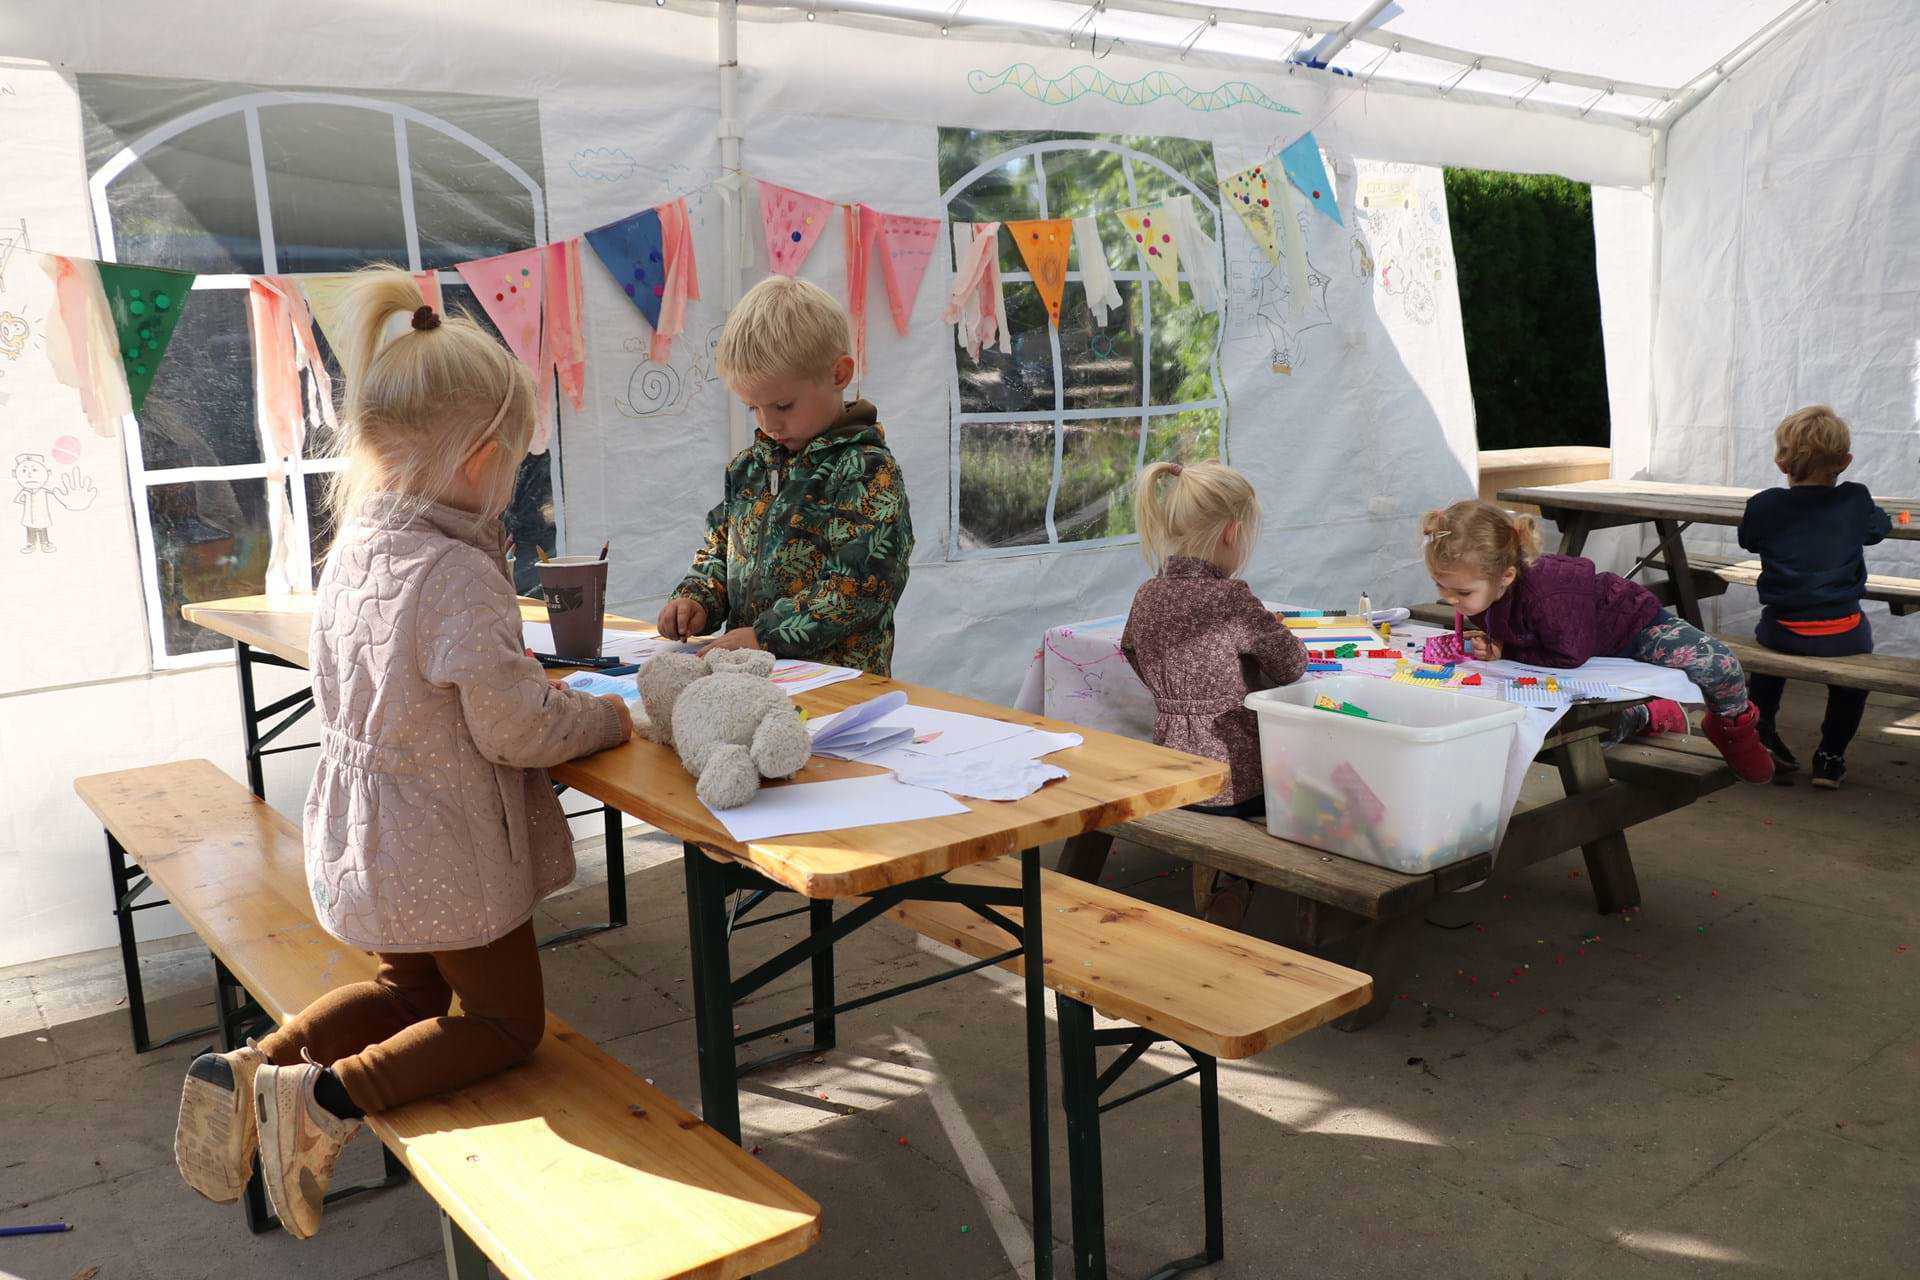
731	725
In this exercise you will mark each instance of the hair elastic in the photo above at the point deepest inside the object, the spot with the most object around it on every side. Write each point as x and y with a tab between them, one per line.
1174	469
425	318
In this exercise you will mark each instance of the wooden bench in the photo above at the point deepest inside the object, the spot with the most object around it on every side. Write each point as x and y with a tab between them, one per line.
1370	917
1212	992
567	1165
1900	595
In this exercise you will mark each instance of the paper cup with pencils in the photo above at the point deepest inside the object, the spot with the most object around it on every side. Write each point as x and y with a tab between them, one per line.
575	588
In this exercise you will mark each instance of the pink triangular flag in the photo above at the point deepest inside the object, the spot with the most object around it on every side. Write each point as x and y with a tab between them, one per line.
905	247
429	282
562	338
683	278
860	224
509	290
793	221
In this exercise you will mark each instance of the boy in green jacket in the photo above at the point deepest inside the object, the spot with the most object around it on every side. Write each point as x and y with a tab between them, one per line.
806	555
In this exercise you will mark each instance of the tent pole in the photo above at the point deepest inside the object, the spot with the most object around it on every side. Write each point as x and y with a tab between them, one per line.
734	182
1695	91
1324	56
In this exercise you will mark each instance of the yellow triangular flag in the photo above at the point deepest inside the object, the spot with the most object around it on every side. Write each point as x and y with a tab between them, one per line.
324	297
1152	233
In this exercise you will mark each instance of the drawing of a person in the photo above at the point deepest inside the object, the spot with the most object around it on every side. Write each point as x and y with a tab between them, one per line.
36	498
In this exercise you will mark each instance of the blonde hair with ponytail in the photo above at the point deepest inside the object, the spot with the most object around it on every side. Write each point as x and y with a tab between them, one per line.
421	401
1479	538
1184	510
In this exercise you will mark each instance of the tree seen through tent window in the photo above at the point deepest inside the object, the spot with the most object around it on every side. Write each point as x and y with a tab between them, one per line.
231	180
1047	439
1530	308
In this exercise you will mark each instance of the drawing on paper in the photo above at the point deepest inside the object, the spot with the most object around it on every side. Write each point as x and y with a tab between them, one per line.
37	495
603	164
1056	91
1404	239
664	391
1261	308
15	332
11	237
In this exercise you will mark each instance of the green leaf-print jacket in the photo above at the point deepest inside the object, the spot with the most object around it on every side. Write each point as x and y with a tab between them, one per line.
810	549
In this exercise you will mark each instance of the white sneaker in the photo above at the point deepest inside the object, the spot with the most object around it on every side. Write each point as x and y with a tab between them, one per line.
213	1142
300	1142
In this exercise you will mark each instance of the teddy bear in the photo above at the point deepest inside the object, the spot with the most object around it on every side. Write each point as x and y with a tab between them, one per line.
731	725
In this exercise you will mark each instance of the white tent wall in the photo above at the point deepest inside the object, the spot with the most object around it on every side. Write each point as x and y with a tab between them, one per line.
1788	273
1372	425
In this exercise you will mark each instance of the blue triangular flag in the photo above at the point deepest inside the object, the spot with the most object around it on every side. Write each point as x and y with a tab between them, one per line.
631	251
1301	163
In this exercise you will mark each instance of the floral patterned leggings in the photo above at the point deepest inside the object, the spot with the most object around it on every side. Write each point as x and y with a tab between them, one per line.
1669	642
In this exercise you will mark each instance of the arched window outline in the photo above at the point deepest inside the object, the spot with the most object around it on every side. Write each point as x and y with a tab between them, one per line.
249	105
1060	414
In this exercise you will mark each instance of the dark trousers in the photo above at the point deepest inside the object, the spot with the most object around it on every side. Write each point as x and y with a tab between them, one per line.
1845	707
1255	807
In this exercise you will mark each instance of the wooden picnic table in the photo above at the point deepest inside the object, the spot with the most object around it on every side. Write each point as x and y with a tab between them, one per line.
1582	507
1112	779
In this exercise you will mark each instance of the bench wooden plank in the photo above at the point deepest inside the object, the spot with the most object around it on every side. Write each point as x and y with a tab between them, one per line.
566	1165
1209	988
1875	672
1243	849
1902	595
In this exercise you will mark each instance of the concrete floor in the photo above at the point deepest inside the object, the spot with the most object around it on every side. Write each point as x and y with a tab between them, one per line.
1723	1085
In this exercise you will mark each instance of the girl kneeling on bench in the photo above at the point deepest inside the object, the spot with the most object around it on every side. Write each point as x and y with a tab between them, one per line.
431	828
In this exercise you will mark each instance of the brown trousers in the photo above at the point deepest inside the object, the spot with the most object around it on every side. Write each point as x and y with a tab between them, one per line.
390	1040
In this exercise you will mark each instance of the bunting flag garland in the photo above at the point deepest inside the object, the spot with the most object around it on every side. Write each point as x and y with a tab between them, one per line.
633	252
1304	170
283	348
81	341
1198	251
1096	276
1247	194
563	345
793	221
1153	237
1043	245
145	304
905	248
1289	221
978	304
859	231
509	289
683	277
325	296
429	283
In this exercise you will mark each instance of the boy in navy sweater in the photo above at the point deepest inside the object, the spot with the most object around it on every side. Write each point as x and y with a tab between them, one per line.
1812	575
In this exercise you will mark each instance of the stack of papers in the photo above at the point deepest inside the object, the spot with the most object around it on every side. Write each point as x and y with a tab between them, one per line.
795	676
853	734
833	806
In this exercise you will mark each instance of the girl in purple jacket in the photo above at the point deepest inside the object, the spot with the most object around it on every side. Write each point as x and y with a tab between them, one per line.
1557	611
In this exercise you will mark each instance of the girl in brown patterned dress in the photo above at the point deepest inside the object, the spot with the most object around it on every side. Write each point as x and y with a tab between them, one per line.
1198	637
1200	640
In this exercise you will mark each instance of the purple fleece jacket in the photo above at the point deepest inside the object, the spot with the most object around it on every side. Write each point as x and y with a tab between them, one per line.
1559	612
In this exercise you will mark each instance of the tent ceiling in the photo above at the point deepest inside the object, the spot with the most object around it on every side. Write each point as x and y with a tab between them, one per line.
1640	62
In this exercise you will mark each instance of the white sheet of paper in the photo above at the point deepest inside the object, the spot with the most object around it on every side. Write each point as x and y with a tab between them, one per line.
628	646
537	636
833	806
796	676
995	778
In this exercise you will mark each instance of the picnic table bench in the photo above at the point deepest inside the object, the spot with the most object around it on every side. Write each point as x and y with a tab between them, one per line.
1370	916
566	1165
1210	991
1714	574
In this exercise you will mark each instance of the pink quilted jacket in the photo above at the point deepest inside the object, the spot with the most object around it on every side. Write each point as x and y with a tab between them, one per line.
431	825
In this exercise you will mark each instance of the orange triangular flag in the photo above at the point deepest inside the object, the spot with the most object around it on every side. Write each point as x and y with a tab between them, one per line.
1043	244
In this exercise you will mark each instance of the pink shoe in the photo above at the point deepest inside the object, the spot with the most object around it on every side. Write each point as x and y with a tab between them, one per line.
1665	716
1738	739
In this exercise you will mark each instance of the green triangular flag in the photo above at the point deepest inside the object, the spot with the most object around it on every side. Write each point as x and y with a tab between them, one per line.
145	302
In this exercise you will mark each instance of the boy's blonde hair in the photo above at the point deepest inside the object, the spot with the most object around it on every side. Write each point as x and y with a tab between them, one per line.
1810	442
1480	538
419	402
782	328
1184	510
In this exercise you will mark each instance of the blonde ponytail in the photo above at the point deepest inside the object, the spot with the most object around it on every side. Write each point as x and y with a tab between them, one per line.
1184	510
1480	538
423	393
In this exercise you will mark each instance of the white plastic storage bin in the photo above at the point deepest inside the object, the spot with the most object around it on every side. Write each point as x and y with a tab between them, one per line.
1413	787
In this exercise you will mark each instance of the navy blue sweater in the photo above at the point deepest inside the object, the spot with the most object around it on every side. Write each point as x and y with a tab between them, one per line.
1808	538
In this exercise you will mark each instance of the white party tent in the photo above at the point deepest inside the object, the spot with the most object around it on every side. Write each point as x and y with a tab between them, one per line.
1755	198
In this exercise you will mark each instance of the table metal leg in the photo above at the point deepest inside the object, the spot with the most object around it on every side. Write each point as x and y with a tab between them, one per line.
819	920
464	1259
249	719
1080	1096
712	992
616	867
129	948
1032	918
